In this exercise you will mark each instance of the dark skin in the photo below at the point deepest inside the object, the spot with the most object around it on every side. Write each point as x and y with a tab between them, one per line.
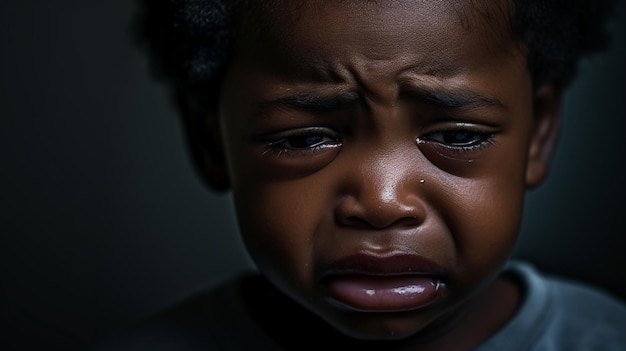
378	164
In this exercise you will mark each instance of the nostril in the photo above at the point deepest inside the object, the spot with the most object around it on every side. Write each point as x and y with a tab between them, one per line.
373	223
354	221
410	221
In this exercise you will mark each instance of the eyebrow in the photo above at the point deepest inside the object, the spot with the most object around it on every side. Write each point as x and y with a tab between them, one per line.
452	98
319	103
311	102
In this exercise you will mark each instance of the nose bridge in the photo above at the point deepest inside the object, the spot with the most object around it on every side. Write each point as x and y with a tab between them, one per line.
389	174
382	175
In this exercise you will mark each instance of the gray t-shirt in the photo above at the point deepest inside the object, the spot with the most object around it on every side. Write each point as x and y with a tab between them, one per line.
554	315
560	315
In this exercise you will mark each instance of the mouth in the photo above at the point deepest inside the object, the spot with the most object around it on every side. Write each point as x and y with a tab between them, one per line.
388	283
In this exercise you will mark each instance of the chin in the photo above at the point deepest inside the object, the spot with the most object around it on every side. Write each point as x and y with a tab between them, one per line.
382	327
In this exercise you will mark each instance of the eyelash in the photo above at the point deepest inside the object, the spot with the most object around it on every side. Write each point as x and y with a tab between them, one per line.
310	140
307	141
479	139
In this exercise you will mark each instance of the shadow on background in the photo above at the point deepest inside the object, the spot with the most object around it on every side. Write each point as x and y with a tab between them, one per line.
103	220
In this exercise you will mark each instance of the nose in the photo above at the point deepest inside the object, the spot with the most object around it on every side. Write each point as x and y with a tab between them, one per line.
382	191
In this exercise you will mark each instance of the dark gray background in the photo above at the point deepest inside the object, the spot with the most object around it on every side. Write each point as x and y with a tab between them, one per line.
103	220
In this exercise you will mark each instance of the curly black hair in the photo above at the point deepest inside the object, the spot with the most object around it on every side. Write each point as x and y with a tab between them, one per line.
189	41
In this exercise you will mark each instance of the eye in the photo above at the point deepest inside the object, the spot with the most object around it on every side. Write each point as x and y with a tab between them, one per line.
295	152
452	147
302	141
462	149
461	138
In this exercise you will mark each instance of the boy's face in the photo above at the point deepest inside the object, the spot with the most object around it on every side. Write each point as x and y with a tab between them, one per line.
378	155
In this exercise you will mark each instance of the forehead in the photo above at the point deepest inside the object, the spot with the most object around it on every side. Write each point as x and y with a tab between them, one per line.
469	12
311	32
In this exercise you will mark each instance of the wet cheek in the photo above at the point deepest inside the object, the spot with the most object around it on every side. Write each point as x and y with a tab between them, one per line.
488	217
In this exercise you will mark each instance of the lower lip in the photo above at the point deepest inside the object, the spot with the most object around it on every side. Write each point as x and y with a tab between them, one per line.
384	293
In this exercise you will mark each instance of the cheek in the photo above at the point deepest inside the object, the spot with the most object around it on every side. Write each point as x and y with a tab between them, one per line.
491	218
485	214
277	215
278	222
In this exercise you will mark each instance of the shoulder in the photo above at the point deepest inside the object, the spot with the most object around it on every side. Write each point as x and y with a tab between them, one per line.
558	314
204	321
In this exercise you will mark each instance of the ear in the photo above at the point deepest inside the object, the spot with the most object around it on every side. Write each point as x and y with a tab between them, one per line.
204	140
545	132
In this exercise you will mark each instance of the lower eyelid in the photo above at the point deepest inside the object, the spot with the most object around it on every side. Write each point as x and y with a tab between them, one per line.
274	148
276	143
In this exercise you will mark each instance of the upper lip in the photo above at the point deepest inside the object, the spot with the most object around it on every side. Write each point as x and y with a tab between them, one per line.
386	264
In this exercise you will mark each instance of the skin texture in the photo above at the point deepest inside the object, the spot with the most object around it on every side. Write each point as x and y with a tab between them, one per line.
380	130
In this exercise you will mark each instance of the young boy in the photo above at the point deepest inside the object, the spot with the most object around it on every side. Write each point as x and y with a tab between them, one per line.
378	153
